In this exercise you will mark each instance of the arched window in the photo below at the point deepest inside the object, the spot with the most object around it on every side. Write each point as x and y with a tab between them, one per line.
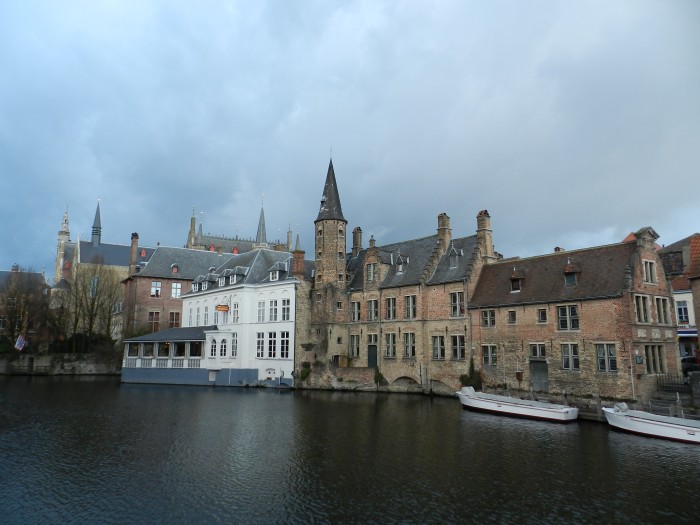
212	351
222	350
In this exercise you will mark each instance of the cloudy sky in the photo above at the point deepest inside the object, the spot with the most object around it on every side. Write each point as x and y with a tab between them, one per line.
572	123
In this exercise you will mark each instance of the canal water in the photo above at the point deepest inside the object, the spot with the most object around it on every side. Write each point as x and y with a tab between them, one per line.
95	451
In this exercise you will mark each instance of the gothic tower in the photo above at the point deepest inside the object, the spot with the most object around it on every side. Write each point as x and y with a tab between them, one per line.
330	236
63	239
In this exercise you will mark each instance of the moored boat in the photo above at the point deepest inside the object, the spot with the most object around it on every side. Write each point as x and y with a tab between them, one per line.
512	406
653	425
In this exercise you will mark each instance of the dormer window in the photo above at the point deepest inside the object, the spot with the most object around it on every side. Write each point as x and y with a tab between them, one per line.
232	279
195	287
274	275
222	281
516	280
205	285
400	263
570	273
174	268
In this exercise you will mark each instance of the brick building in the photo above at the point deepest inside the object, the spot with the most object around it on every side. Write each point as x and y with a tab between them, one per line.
590	322
398	308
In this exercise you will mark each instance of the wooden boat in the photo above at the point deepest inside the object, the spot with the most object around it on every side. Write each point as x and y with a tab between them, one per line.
512	406
653	425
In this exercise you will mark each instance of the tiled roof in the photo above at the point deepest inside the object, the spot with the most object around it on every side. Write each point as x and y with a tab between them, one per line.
190	263
417	255
602	274
110	254
694	270
191	333
36	278
330	201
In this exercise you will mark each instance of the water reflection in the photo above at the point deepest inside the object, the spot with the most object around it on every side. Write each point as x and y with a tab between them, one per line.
78	452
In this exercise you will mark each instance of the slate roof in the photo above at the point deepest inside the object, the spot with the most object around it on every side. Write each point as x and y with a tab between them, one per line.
252	268
673	261
35	277
190	333
190	263
330	200
417	255
109	254
601	275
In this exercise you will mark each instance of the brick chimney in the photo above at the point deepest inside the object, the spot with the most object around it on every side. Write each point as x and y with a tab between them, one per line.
356	241
484	234
444	232
134	253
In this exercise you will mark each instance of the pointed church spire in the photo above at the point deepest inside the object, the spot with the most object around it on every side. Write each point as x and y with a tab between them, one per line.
97	227
261	237
330	201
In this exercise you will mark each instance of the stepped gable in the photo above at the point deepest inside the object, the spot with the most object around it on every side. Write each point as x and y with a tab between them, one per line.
600	274
190	263
465	248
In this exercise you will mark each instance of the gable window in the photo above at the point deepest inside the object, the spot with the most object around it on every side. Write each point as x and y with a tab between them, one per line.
391	308
537	351
390	345
411	307
409	344
438	347
354	345
682	310
641	304
234	313
286	308
154	321
371	269
372	310
458	349
656	364
488	318
457	304
607	357
260	345
234	344
568	317
541	315
272	344
649	272
175	290
284	345
570	278
355	309
511	316
569	356
155	288
488	355
662	312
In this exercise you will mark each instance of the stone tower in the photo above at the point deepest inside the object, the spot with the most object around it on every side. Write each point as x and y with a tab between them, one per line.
63	239
330	236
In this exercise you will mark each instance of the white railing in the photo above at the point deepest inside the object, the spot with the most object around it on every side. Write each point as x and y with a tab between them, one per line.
161	363
146	362
130	362
178	363
193	363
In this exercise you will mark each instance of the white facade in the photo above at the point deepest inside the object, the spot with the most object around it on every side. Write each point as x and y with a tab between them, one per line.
687	327
254	326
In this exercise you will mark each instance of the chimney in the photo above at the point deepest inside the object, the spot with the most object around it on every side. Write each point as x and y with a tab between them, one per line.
444	232
134	253
298	261
356	241
484	234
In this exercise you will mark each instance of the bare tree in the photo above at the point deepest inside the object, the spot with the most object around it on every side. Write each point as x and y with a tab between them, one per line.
24	303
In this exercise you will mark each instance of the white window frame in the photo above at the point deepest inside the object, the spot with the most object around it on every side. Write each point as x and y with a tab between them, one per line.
175	290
